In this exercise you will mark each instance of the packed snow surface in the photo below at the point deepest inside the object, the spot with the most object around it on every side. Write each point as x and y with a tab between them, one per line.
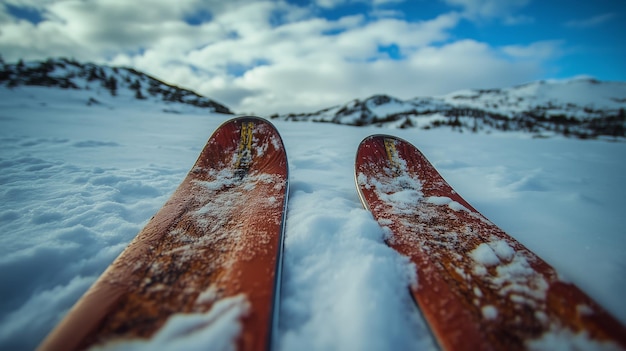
78	182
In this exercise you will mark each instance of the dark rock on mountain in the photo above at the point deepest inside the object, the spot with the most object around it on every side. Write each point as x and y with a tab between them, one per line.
70	74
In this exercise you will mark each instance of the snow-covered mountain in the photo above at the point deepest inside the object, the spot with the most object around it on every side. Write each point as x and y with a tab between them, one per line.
577	107
584	108
102	81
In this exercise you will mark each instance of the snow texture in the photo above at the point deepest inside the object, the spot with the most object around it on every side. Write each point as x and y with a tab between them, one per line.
565	340
219	327
484	255
442	200
78	182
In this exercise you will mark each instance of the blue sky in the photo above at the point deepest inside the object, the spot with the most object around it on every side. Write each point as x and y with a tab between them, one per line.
297	56
590	32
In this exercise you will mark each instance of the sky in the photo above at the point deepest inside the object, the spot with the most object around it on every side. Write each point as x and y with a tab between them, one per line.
283	56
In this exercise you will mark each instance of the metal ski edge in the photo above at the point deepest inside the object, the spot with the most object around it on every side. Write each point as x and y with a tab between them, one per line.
278	275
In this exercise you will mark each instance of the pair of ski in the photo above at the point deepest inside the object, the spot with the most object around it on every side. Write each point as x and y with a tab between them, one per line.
215	250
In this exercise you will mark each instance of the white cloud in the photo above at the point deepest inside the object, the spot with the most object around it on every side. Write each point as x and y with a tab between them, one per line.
304	62
591	21
538	51
328	4
95	29
504	10
271	56
428	70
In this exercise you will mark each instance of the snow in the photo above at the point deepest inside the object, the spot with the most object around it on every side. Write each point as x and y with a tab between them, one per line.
78	182
554	341
484	255
403	192
219	327
572	97
443	200
489	312
580	107
493	253
389	107
514	277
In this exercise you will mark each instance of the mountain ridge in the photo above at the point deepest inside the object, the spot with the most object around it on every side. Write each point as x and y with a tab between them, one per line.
580	107
69	74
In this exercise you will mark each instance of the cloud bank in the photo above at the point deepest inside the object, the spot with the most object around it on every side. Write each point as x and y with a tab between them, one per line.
273	56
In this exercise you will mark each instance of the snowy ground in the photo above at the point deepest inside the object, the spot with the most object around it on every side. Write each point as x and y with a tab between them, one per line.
78	182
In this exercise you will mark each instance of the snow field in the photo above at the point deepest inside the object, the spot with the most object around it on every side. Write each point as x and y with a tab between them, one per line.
334	248
570	97
77	183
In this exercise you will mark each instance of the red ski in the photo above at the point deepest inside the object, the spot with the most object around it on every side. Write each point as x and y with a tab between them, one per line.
478	288
213	250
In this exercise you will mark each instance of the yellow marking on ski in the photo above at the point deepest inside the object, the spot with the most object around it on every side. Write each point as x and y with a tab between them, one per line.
244	152
248	135
392	154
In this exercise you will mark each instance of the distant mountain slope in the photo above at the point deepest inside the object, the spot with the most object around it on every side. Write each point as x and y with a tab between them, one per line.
579	107
69	74
584	108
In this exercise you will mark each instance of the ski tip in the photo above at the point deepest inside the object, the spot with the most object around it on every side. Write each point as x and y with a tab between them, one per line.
386	144
382	137
243	118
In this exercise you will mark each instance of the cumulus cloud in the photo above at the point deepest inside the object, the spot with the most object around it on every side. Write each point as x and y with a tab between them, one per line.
504	10
427	70
335	3
273	56
542	50
591	21
95	29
